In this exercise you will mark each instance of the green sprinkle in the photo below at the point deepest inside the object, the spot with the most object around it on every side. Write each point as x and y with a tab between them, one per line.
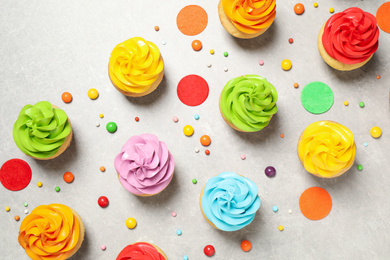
225	54
361	104
25	204
57	189
194	181
360	167
111	127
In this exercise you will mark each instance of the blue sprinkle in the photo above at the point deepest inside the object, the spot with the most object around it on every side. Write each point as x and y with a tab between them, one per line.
178	232
164	42
185	257
365	144
275	208
196	116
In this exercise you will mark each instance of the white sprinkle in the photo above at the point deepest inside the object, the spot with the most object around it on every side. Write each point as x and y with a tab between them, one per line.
197	150
289	211
209	65
97	124
164	42
26	211
225	69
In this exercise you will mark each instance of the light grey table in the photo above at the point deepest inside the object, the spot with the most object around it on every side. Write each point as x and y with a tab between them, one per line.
48	47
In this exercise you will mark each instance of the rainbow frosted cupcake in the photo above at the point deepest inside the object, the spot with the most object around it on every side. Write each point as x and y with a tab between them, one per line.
247	103
326	149
145	166
42	131
246	19
136	67
142	251
229	202
52	231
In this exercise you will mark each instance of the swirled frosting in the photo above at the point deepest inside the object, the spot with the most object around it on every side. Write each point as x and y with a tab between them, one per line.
40	129
140	251
248	102
351	36
250	16
326	148
135	65
144	165
50	232
230	201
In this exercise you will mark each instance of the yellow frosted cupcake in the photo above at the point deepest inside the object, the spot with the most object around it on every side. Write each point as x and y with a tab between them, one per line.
326	149
51	232
246	19
136	67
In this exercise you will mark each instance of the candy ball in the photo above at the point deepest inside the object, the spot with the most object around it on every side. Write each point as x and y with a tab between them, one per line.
131	223
178	232
66	97
188	130
93	93
103	201
196	45
57	189
376	132
205	140
299	8
207	152
246	245
361	104
270	171
286	64
111	127
209	250
68	177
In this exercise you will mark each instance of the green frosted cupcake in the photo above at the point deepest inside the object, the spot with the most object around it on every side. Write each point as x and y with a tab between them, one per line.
247	103
42	131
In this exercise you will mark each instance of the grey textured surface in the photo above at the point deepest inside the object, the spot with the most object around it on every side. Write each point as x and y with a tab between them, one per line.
48	47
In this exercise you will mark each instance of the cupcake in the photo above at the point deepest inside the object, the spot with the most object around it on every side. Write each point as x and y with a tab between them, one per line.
326	149
42	131
142	250
136	67
54	231
144	166
247	103
229	201
246	19
348	39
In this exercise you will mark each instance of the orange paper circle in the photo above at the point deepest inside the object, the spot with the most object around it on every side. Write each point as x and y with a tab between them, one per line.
192	20
383	17
315	203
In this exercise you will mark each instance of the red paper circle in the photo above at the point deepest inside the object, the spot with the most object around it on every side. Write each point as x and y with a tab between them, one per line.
15	174
192	90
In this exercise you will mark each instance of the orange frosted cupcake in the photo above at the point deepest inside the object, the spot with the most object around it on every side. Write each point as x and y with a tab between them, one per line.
136	67
51	232
246	19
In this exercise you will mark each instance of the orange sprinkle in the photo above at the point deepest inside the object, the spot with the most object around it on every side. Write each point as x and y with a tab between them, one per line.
246	245
68	177
102	168
315	203
156	28
378	76
205	140
296	85
17	218
66	97
299	8
192	20
281	135
207	152
196	45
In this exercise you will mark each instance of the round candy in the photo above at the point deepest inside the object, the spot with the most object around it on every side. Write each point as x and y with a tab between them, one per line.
360	167
7	209
346	103
103	201
196	116
57	189
209	250
102	168
275	208
331	10
111	127
315	4
68	177
25	204
174	214
281	228
286	64
15	174
317	97
66	97
196	45
212	51
131	223
188	130
225	54
17	218
103	247
207	152
281	135
270	171
101	115
261	62
246	245
93	93
291	40
185	257
178	232
296	85
378	76
39	184
299	8
194	181
243	157
136	119
205	140
376	132
156	28
361	104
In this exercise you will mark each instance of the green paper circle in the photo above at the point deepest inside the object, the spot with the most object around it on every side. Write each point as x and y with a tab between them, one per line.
317	97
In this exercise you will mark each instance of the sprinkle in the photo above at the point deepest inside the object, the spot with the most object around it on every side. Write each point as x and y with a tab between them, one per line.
286	64
174	214
175	119
225	69
156	28
97	124
378	76
281	135
289	211
66	97
178	232
270	171
331	10
188	130
360	167
261	62
17	218
194	181
39	184
275	208
164	42
93	93
197	150
25	204
205	140
376	132
296	85
131	223
209	250
365	144
102	168
346	103
281	228
291	40
26	211
57	189
111	127
212	51
315	4
103	247
101	115
7	209
196	45
68	177
246	246
196	116
361	104
225	54
185	257
299	8
103	201
243	157
207	152
209	65
136	119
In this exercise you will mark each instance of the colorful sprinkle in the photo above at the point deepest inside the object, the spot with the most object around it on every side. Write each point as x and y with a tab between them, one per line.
365	144
378	76
291	40
246	246
196	45
131	223
286	64
57	189
270	171
164	42
197	150
315	4
331	10
243	157
175	119
361	104
66	97
68	177
208	65
207	152
7	209
289	211
212	51
209	250
26	211
156	28
111	127
93	93
101	115
205	140
275	208
174	214
261	62
299	8
376	132
225	69
360	167
296	85
39	184
103	201
194	181
102	168
225	54
17	218
136	119
103	247
188	130
97	124
185	257
281	228
25	204
178	232
346	103
281	135
196	116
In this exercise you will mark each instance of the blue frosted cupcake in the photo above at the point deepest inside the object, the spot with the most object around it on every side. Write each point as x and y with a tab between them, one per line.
229	201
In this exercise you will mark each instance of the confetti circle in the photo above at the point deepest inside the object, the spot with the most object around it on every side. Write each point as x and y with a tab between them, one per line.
192	20
317	97
15	174
192	90
315	203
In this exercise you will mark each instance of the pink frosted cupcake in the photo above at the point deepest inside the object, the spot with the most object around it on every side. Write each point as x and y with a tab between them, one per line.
144	166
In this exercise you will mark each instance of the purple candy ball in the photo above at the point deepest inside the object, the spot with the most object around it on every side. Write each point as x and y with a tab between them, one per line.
270	171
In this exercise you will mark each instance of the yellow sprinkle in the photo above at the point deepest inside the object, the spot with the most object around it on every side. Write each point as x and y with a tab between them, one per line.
211	51
39	184
315	4
281	228
101	115
7	209
93	93
331	10
131	223
346	103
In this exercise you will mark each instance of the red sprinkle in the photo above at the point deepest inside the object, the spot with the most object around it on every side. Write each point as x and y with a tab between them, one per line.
209	250
136	118
207	152
290	40
103	201
378	76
